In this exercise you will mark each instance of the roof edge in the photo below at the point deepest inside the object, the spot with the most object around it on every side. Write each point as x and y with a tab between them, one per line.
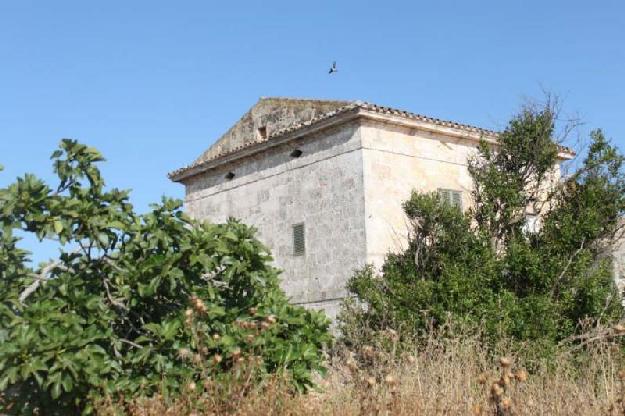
258	146
353	109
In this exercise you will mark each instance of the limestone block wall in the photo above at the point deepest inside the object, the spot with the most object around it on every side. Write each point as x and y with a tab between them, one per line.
273	115
397	160
618	256
323	189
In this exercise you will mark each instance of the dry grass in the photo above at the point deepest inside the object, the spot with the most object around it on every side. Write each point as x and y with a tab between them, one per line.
445	377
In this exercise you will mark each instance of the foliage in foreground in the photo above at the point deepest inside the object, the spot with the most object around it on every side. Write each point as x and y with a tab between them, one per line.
134	304
488	266
451	375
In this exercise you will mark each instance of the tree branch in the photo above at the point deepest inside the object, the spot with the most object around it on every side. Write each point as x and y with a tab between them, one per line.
40	278
566	268
125	341
43	276
113	301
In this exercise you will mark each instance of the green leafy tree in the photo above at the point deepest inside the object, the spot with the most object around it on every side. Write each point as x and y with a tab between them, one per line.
134	304
486	267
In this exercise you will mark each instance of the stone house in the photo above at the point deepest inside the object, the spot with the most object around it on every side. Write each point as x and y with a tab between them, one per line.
323	182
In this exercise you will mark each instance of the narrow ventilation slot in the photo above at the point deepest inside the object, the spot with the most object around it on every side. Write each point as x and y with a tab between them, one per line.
299	241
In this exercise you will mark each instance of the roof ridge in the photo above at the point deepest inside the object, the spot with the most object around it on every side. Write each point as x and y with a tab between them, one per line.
349	105
282	98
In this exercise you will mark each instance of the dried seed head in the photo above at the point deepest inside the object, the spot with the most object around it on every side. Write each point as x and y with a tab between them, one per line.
191	386
521	375
506	403
216	337
393	334
370	381
351	364
271	319
476	410
253	311
411	359
184	353
197	359
217	358
188	313
505	380
619	329
482	378
505	362
255	359
368	351
250	338
621	375
236	353
496	390
390	380
265	325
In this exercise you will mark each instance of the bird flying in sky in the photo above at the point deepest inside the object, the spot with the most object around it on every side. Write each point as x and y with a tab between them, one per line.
333	68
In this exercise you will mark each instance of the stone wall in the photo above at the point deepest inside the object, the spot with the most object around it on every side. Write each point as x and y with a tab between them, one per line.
323	189
618	254
272	115
398	160
347	188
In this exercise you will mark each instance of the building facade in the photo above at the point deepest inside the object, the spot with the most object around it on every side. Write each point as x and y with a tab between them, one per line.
323	182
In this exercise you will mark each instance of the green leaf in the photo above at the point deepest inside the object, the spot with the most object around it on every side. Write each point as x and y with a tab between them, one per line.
114	323
67	383
55	391
58	226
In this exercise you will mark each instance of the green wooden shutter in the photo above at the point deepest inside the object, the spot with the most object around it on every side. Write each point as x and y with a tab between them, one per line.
457	199
443	195
450	196
299	241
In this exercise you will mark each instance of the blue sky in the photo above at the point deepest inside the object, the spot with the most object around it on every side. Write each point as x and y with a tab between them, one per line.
153	83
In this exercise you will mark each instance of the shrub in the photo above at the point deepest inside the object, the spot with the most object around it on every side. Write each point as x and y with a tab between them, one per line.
485	267
134	304
454	374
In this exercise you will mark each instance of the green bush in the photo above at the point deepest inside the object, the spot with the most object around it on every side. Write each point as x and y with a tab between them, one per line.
484	268
134	304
